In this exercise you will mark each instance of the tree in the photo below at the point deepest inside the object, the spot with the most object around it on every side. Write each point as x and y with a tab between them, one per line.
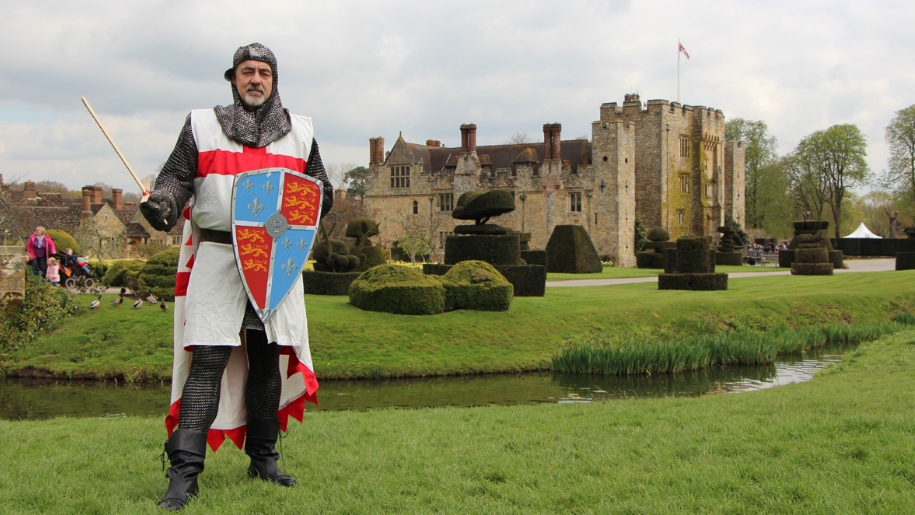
808	186
900	138
519	138
837	156
763	180
357	180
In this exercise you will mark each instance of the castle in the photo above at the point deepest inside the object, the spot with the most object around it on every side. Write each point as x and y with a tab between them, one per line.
669	163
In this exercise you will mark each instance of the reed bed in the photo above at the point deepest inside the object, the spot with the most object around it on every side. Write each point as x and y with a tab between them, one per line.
599	357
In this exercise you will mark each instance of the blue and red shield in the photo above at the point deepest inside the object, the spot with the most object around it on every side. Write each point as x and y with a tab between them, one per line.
275	213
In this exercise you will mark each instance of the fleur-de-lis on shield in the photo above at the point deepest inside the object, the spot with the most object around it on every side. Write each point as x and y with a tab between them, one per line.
255	207
290	267
302	244
268	187
286	244
248	184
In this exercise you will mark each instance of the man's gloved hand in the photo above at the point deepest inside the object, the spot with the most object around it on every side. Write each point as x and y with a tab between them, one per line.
160	210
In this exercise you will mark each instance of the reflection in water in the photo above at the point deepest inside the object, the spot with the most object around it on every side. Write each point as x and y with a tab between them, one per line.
30	399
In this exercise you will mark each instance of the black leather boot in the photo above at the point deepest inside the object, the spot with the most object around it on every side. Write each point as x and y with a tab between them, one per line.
186	451
260	444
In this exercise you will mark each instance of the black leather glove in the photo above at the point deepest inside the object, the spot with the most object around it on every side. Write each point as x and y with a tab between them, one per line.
160	210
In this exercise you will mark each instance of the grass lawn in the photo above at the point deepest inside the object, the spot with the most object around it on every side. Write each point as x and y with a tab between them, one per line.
349	342
842	443
613	272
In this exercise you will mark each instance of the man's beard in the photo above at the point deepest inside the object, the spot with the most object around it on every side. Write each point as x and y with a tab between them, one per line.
254	101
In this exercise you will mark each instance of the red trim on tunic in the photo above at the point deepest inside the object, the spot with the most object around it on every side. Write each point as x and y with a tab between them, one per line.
226	162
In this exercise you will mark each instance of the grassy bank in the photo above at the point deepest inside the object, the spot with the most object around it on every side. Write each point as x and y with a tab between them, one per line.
842	443
348	342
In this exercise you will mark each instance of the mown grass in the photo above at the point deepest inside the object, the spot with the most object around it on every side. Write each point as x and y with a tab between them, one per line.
613	272
348	342
841	443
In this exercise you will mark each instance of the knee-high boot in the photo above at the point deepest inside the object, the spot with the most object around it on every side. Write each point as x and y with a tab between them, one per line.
186	451
260	443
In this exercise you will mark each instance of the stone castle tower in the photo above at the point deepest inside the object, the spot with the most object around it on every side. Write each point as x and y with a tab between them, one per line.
667	162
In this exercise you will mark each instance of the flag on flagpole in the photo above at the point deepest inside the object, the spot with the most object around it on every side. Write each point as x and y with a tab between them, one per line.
683	50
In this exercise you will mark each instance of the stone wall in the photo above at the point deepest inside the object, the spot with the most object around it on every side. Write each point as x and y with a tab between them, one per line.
12	272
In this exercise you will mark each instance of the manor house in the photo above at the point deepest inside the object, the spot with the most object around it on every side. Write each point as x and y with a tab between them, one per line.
669	163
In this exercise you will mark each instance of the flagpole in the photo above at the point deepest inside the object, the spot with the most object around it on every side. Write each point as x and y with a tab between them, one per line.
678	70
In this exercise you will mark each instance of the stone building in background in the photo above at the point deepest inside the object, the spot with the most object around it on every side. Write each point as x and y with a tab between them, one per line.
667	162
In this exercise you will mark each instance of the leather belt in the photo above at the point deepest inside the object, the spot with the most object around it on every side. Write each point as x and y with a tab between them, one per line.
223	237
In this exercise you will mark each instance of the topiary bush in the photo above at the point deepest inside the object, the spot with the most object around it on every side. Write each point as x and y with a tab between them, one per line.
62	240
98	268
571	250
398	289
157	277
121	272
476	285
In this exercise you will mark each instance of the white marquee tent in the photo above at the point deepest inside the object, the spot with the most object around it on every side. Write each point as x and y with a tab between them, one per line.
863	232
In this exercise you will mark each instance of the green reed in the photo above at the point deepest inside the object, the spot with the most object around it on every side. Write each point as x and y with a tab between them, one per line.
598	356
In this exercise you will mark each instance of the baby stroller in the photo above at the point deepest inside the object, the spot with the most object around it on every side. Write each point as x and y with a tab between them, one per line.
74	272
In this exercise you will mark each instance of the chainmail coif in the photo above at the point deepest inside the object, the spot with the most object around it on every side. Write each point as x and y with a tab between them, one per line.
263	125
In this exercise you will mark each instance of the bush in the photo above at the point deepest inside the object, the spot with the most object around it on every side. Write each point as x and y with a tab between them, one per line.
571	250
658	234
43	309
98	268
373	256
692	255
157	278
63	240
693	281
476	285
123	272
398	289
328	283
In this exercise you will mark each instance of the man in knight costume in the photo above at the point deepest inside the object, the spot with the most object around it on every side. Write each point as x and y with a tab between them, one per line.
216	326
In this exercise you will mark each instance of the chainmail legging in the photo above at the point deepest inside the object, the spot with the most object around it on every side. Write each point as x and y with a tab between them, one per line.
200	397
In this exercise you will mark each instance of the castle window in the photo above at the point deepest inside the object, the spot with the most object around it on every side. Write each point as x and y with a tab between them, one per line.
684	183
680	216
415	207
575	202
400	176
535	171
684	146
708	190
446	202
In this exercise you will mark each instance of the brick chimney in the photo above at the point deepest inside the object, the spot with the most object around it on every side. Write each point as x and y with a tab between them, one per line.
30	190
87	203
556	129
547	142
376	151
433	143
96	194
468	137
117	198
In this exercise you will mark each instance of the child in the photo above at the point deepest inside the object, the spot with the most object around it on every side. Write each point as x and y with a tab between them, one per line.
53	273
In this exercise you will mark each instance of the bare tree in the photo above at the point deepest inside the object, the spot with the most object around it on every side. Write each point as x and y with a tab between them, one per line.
519	138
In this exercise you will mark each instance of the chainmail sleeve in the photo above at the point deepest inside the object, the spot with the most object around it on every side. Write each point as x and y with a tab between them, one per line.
315	168
177	176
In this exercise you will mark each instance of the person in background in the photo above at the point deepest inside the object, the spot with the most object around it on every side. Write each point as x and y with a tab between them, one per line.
40	246
53	272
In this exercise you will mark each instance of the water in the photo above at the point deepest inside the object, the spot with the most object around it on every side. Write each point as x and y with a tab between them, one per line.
34	399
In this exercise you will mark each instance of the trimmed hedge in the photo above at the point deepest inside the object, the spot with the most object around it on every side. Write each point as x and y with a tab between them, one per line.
398	289
729	258
476	285
815	255
527	280
785	258
649	260
328	283
157	277
122	272
811	268
535	257
571	250
905	261
62	240
371	257
693	281
692	255
494	249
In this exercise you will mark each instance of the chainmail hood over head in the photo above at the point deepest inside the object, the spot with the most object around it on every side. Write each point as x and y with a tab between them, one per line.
263	125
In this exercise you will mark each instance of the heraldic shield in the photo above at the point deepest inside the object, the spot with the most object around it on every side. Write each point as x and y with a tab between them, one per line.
275	213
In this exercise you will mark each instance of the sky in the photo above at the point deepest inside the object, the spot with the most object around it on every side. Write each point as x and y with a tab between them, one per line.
364	69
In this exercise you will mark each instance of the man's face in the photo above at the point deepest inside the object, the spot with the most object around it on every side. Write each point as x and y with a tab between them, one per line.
254	82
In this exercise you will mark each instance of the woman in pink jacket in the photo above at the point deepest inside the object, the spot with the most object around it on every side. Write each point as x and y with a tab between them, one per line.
40	247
